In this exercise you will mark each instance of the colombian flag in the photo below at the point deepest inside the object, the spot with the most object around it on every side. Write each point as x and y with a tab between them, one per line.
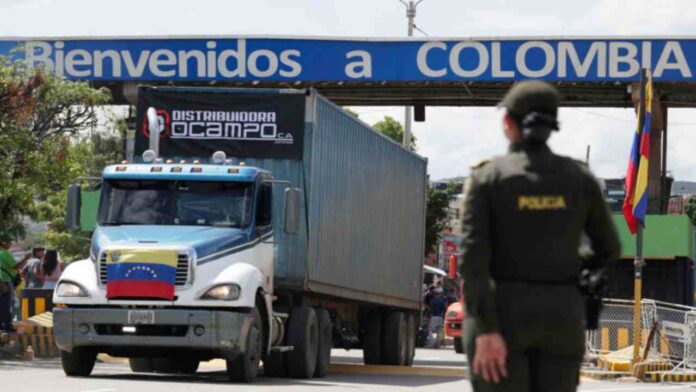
141	273
636	202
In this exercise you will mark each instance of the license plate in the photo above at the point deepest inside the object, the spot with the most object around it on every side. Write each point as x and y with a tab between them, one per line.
141	317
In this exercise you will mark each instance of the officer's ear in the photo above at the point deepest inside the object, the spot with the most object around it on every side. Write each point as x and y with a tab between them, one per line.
511	129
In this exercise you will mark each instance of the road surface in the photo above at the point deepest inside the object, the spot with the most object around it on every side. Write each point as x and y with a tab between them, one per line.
347	374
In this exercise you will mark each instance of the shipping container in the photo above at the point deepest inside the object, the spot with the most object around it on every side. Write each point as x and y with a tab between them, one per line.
363	223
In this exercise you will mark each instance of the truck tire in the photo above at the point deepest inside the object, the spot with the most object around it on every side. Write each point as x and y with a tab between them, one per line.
245	366
170	366
458	346
325	343
394	339
141	365
78	363
303	335
162	365
411	336
372	340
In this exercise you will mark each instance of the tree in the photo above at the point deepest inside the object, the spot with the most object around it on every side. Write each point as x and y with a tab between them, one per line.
394	130
88	156
41	116
437	215
690	209
352	112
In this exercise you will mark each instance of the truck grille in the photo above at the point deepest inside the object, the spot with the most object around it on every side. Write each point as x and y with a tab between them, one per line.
182	269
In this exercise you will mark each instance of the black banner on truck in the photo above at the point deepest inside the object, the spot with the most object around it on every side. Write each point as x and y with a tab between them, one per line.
196	122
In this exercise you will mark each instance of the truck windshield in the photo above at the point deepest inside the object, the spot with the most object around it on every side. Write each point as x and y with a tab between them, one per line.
146	202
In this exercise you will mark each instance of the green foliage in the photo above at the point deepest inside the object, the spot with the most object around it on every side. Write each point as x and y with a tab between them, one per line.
437	216
41	118
352	112
86	157
394	130
690	209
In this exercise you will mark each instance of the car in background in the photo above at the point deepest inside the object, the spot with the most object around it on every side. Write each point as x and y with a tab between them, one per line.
453	324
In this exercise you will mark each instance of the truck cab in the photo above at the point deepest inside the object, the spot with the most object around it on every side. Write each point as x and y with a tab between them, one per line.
172	236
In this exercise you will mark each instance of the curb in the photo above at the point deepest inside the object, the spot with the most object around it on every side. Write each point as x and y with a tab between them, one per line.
602	375
669	377
384	370
104	358
612	365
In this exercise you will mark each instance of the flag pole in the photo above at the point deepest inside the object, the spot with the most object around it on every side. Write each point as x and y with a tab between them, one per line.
638	262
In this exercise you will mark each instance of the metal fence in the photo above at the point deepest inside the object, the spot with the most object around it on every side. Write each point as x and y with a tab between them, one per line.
673	326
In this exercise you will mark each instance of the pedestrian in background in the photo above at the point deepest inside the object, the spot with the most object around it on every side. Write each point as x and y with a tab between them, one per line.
524	214
9	279
452	296
50	270
30	272
438	306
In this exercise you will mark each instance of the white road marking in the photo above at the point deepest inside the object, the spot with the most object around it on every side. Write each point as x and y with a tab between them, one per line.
99	390
633	388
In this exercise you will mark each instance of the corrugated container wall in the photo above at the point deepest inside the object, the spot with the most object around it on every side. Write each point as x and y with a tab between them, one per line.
363	230
366	211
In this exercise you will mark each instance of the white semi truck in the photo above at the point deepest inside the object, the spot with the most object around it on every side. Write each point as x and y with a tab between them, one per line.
248	257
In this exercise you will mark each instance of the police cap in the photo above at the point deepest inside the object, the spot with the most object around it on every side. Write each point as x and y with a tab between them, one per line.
531	96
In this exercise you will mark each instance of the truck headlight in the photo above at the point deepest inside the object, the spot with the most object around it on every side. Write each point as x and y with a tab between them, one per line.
224	292
69	289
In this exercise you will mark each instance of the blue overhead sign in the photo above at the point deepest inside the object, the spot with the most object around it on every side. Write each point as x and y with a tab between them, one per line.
355	60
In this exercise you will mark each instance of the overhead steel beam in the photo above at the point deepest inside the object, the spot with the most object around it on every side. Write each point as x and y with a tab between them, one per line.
453	94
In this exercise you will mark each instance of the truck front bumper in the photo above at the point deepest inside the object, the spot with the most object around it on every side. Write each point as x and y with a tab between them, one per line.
218	331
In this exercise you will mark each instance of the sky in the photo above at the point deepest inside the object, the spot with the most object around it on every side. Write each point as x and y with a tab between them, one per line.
452	138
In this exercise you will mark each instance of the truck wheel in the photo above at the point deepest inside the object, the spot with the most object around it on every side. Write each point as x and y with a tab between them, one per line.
303	335
372	340
411	339
458	346
245	366
171	366
162	365
394	339
141	365
325	343
78	363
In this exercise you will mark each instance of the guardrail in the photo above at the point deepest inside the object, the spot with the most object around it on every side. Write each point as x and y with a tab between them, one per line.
674	337
35	301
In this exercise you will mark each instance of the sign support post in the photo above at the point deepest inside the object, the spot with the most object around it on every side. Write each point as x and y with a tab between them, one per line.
638	262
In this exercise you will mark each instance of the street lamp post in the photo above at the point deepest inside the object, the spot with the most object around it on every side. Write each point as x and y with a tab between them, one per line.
410	15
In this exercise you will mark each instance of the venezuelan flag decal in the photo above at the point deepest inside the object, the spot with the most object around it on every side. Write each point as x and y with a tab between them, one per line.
141	273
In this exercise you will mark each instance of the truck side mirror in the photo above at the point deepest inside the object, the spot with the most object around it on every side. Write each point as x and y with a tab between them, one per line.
72	216
293	198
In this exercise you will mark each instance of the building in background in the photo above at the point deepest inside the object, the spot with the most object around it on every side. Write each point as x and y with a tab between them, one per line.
615	192
452	237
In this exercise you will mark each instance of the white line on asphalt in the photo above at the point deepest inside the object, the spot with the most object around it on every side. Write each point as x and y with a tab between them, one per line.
99	390
652	387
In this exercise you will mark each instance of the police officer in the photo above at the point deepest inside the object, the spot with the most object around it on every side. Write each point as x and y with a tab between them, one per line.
524	215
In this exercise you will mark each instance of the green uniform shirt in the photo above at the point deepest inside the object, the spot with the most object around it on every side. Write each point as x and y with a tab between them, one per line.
524	216
7	262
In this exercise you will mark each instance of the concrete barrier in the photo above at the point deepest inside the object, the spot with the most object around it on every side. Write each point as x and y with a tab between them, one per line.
35	301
